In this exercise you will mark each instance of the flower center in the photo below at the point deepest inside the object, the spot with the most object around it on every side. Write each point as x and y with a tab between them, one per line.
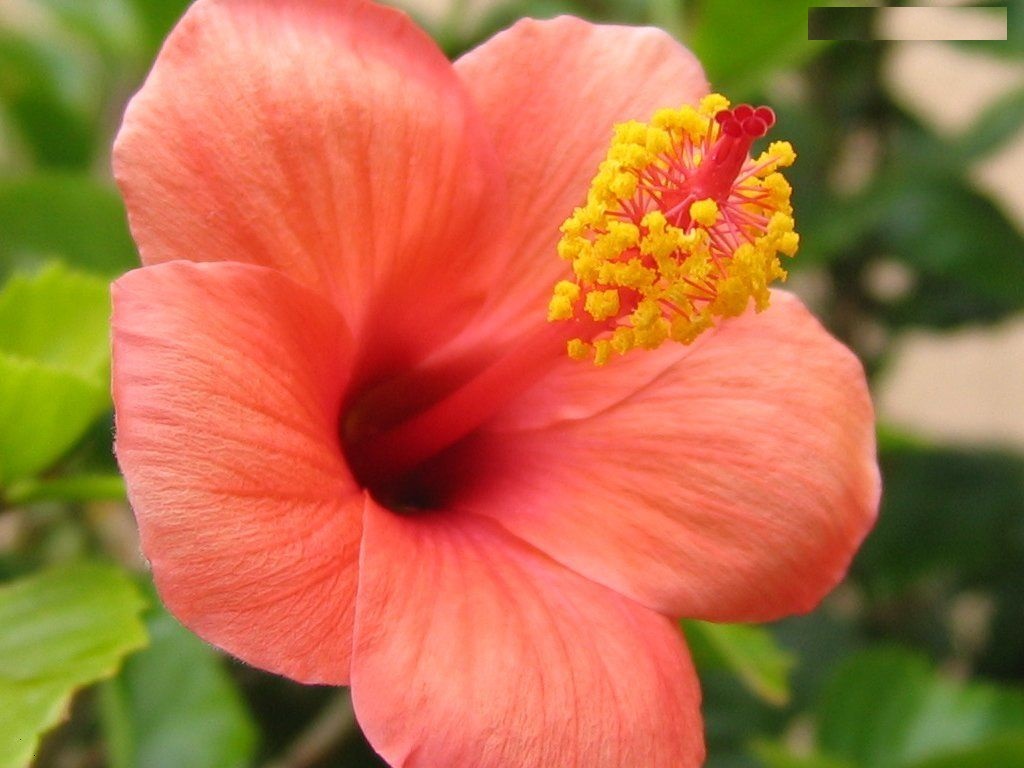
680	226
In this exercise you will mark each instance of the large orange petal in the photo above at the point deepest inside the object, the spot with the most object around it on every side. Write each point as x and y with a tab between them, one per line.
329	140
732	480
227	383
551	92
473	649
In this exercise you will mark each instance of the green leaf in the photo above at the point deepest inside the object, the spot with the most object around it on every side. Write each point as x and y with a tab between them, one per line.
740	42
54	355
59	631
68	216
174	705
749	652
58	318
43	412
886	708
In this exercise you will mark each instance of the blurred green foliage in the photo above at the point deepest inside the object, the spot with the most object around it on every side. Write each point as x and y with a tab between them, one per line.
61	629
74	217
885	675
750	653
174	705
886	708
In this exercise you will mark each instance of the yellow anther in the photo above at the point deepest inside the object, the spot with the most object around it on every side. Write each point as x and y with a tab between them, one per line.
601	305
574	226
779	191
659	251
704	212
789	243
694	125
658	141
713	103
623	340
661	239
568	289
645	314
669	119
561	305
632	274
780	223
586	268
630	132
578	349
685	330
573	247
653	336
779	153
619	238
626	157
559	308
623	185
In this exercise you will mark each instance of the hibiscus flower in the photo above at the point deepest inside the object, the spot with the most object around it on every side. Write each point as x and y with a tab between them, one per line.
355	445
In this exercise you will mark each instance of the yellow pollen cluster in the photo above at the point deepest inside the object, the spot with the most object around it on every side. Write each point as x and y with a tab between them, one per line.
680	226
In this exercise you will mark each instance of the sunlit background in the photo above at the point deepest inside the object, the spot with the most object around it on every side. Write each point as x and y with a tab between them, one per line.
910	202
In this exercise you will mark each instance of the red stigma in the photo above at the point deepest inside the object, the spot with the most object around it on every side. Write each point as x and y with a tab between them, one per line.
745	120
738	128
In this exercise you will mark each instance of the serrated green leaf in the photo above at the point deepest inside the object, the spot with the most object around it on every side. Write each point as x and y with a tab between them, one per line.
886	708
70	217
174	705
749	652
59	631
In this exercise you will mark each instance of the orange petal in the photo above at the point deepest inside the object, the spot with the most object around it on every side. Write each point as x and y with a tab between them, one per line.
473	649
551	92
731	480
329	140
227	383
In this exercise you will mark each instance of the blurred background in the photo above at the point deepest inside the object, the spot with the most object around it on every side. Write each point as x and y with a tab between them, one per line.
909	195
